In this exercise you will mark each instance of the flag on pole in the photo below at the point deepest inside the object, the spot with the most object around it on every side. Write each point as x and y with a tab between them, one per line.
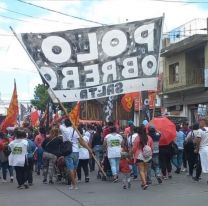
12	112
152	99
127	100
34	116
74	114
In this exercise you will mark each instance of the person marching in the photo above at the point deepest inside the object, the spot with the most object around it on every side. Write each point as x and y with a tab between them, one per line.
142	149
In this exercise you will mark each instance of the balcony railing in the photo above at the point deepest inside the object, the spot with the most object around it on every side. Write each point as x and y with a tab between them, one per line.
195	77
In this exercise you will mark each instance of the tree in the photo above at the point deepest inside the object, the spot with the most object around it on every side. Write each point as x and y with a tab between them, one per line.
40	97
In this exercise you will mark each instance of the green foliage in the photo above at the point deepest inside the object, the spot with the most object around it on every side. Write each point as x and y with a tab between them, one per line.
40	97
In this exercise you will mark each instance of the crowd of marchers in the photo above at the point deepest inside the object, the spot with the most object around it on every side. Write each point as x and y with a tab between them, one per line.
60	153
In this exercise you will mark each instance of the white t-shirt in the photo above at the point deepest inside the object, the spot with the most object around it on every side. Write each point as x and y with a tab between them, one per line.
69	134
114	145
83	152
18	152
131	139
204	138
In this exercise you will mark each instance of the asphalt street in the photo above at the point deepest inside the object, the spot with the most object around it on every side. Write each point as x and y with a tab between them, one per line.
180	190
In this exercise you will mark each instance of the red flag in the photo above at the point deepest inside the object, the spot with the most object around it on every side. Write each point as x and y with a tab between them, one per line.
74	114
34	118
138	102
152	99
127	102
12	112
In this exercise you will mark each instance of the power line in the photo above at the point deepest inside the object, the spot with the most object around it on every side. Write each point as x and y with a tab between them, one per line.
58	12
184	2
44	19
8	17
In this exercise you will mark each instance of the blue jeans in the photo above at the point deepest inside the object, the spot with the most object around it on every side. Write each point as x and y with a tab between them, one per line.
72	161
39	159
114	163
177	160
135	170
5	166
155	166
98	150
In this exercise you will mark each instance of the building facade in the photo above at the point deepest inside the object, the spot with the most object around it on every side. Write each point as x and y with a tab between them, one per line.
185	63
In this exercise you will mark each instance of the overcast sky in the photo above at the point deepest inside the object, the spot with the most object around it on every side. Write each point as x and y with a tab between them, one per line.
14	62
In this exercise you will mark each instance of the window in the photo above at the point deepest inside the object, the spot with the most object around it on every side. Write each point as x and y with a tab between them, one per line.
174	73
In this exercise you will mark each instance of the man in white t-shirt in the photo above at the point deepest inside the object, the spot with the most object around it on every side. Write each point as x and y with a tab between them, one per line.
72	160
202	148
113	143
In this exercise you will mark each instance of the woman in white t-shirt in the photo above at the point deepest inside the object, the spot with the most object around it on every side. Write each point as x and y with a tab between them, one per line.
18	156
113	144
84	157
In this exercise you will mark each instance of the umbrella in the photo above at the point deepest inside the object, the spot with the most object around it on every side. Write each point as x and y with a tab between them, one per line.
166	128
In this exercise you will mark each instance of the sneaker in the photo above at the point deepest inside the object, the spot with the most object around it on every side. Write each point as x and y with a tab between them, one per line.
144	187
73	187
129	185
115	180
159	179
45	181
170	176
195	179
124	187
178	171
87	179
165	177
79	180
20	187
4	181
26	186
135	178
30	184
184	170
51	182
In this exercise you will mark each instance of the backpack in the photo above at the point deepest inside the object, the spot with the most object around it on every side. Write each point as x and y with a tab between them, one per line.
147	153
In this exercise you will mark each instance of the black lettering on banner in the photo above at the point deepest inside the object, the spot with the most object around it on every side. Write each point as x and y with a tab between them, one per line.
83	94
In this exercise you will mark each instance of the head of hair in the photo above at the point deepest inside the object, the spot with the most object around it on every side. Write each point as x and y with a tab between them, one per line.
143	135
54	132
112	129
20	133
67	123
136	129
178	127
110	124
196	126
99	129
42	130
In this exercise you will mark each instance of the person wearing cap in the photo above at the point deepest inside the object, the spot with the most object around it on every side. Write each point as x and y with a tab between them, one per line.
201	141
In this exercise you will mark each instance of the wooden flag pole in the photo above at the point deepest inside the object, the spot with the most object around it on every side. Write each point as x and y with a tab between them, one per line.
75	128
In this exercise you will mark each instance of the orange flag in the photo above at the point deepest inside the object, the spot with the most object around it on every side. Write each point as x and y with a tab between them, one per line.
74	114
152	99
12	112
34	116
128	100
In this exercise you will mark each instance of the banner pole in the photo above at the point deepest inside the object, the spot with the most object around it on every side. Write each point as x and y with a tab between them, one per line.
75	128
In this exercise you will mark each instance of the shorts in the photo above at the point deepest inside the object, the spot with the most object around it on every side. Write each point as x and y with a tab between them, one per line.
140	161
72	161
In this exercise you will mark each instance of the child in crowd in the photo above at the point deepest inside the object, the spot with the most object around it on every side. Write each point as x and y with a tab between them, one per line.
125	170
